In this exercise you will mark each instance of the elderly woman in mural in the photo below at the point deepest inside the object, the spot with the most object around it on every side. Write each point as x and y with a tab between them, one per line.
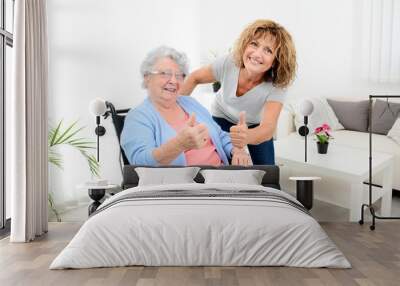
170	129
253	80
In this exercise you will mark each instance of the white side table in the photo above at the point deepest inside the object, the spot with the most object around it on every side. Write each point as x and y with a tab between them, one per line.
96	193
344	164
304	190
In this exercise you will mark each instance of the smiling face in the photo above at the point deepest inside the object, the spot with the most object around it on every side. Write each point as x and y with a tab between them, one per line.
164	81
259	54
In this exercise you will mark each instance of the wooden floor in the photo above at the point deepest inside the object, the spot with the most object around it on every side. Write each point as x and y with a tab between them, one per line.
374	255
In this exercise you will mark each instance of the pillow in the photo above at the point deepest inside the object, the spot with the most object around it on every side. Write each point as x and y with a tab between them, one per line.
353	115
163	176
248	177
322	113
383	116
394	133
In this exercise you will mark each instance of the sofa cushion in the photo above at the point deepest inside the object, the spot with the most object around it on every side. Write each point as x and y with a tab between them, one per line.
384	114
394	132
353	115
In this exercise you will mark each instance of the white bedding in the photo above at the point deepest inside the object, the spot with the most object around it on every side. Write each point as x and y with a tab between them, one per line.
200	231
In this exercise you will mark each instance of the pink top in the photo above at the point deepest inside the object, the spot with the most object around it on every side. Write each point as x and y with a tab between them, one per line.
204	156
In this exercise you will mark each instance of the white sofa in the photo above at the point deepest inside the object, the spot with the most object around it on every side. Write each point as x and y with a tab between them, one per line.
381	143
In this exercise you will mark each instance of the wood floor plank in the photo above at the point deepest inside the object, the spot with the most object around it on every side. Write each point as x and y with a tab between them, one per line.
132	276
313	282
374	255
212	272
146	282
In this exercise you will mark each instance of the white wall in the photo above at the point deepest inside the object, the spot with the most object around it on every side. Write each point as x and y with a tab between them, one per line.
96	47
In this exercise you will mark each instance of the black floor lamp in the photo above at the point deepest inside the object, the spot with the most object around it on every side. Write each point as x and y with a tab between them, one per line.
369	205
306	108
98	107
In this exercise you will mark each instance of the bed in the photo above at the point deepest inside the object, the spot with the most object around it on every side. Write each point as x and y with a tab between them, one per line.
201	223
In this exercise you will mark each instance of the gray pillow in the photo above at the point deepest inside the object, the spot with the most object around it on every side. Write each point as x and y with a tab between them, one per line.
353	115
163	176
383	116
248	177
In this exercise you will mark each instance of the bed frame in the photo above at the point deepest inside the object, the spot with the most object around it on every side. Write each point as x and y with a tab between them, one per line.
270	179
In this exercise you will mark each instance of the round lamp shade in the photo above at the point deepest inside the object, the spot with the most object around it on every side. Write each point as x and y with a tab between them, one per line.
97	107
306	107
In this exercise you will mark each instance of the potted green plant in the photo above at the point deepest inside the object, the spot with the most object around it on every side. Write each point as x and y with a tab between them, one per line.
323	135
69	136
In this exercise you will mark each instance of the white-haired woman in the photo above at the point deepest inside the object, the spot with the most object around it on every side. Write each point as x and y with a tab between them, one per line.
170	129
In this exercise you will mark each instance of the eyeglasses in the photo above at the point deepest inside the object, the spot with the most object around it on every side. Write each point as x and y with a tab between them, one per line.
167	74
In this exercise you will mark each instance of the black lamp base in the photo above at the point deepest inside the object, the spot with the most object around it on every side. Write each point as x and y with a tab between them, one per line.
304	193
96	195
303	130
100	130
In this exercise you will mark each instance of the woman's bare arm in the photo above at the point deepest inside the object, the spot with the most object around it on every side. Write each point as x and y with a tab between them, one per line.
202	75
268	123
241	135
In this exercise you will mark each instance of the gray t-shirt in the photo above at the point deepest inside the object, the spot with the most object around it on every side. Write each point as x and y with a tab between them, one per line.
228	106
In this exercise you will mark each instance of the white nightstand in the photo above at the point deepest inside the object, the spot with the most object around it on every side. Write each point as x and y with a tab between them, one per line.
96	193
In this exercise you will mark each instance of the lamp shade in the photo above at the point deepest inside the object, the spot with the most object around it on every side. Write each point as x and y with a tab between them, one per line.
306	107
97	107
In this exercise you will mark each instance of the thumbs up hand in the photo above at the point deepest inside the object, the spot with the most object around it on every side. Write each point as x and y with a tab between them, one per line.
193	136
242	118
239	133
192	120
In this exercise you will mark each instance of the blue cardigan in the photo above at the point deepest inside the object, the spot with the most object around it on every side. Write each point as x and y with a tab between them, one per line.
145	129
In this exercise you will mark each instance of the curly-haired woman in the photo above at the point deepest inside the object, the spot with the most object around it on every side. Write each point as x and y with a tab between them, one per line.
253	81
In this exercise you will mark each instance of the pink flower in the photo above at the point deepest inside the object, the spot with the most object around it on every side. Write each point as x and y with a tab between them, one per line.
322	133
318	130
326	127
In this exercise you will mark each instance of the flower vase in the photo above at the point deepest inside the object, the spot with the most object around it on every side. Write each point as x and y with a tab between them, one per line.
322	147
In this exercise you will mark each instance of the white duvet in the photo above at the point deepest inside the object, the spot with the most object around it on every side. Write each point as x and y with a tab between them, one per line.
200	231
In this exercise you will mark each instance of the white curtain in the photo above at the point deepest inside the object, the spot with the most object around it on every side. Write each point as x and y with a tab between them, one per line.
28	162
381	40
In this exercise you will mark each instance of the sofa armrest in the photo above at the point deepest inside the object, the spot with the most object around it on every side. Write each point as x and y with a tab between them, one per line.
285	124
